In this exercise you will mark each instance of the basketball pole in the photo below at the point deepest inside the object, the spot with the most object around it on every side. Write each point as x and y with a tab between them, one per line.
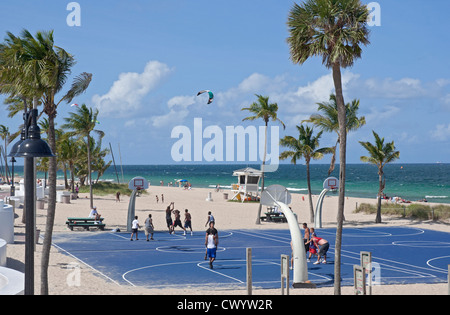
278	195
131	210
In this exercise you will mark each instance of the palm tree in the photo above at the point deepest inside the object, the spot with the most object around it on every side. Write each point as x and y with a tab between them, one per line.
266	111
380	154
335	31
304	147
34	68
328	121
69	154
5	135
81	123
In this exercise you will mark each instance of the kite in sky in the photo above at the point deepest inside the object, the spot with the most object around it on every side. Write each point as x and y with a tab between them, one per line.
74	105
210	94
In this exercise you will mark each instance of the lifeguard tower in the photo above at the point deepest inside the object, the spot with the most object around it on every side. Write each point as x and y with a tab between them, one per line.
247	188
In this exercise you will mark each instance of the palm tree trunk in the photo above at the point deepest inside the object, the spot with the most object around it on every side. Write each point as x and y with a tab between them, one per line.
380	191
308	179
258	219
342	163
6	160
72	176
89	170
52	167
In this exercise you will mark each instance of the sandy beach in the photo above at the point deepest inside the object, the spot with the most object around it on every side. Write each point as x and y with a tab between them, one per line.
229	215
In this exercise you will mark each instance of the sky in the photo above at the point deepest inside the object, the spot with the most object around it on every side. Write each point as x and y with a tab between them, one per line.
150	58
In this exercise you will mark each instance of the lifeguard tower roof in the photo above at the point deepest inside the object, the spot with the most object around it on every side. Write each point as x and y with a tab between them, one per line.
247	171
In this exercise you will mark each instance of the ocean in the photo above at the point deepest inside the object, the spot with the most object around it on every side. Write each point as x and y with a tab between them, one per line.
408	181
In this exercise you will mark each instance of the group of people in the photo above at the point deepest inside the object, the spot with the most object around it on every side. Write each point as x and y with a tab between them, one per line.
172	224
211	237
315	245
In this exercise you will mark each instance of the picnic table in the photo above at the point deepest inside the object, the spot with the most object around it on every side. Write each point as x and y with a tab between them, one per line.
274	216
85	223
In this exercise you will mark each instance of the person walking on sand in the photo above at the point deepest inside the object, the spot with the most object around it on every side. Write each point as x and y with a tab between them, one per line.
134	228
211	243
118	196
187	222
149	227
210	219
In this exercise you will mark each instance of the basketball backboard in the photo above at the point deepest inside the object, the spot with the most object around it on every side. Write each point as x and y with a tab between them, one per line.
275	193
331	183
138	183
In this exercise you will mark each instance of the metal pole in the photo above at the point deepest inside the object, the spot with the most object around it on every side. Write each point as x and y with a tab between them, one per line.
29	225
13	188
249	271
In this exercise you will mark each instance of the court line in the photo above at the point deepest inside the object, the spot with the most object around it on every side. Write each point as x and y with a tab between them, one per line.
219	273
153	266
434	267
84	263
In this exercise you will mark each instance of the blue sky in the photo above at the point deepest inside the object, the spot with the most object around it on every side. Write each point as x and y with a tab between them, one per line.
150	58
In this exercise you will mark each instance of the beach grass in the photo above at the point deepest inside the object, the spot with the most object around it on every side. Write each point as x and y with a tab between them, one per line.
414	211
108	188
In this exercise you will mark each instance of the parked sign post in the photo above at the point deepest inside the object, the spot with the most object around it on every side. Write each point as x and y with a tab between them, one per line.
366	263
359	276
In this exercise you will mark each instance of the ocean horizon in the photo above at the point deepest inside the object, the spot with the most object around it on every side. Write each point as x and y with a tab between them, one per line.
410	181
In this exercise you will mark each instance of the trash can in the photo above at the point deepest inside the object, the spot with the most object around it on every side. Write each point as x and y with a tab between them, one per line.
65	198
40	204
225	196
36	235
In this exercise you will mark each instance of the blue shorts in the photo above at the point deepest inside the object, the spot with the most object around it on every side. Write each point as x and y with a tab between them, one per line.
211	252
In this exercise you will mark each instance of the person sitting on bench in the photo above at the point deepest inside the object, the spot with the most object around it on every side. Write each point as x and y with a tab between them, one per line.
95	215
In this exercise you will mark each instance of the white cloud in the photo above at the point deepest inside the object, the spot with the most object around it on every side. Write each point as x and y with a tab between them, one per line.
404	88
126	94
171	119
295	102
441	133
382	114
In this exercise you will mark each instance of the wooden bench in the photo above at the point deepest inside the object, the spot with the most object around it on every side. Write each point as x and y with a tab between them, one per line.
85	223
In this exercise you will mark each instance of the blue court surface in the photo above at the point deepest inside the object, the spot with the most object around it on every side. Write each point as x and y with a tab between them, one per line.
405	255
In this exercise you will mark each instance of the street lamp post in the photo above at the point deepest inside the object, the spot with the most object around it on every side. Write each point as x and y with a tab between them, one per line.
13	187
30	147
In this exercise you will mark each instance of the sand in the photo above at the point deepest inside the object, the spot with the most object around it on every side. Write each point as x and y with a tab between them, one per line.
228	215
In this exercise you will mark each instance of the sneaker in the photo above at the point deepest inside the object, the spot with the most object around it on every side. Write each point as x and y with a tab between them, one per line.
308	260
324	261
192	233
184	233
317	262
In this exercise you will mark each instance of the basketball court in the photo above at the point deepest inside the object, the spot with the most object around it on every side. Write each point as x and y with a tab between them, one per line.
404	255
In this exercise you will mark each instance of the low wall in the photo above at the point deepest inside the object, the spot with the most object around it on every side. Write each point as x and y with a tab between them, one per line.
2	253
12	282
6	222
